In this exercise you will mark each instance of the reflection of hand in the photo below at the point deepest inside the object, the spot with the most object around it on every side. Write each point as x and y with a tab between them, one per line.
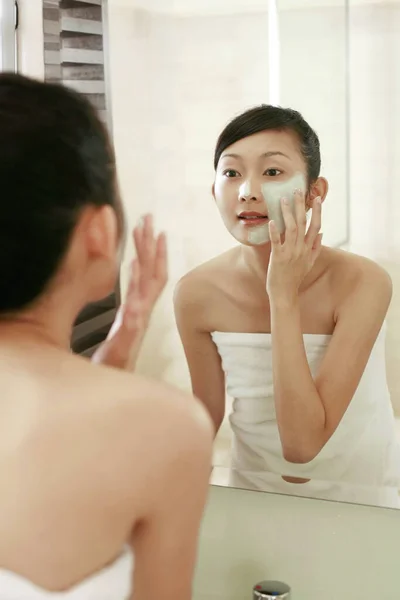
149	272
148	278
293	258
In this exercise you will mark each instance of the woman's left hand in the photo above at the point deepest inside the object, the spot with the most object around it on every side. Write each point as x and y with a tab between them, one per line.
293	258
148	278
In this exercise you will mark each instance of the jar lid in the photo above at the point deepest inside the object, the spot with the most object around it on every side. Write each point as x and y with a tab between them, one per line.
271	590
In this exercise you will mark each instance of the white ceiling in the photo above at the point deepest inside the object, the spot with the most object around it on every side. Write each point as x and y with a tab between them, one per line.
215	7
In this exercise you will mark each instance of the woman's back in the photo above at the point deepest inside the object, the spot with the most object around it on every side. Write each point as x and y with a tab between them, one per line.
96	465
76	461
57	423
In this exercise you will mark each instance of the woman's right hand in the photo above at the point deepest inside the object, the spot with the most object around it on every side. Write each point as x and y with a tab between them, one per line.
149	274
148	278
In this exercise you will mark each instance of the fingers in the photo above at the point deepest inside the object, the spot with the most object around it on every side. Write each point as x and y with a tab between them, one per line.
315	224
134	277
290	223
151	253
143	236
316	247
274	235
137	238
300	214
161	262
147	255
295	220
132	316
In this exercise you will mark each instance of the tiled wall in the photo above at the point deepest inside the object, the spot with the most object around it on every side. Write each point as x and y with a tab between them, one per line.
73	47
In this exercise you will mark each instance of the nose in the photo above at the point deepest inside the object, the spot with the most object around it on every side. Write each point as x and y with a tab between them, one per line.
247	192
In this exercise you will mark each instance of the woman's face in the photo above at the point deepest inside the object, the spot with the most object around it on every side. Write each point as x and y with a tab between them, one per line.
244	175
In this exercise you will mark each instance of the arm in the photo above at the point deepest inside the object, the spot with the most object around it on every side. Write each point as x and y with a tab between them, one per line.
165	542
204	362
309	411
122	347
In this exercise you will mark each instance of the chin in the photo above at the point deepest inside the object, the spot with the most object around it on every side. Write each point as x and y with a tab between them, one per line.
256	245
99	292
251	238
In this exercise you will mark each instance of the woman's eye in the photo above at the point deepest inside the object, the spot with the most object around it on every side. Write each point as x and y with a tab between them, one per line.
231	173
272	172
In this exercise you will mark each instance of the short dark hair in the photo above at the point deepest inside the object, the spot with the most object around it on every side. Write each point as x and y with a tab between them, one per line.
55	160
266	117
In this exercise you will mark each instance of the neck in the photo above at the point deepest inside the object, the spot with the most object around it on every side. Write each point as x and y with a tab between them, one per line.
47	324
256	259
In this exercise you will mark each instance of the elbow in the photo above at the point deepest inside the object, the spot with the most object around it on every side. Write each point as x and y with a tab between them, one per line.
216	415
217	421
303	449
299	456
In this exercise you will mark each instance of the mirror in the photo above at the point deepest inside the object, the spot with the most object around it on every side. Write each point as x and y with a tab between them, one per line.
191	67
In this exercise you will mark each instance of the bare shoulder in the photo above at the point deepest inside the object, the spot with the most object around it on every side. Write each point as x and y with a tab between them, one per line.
197	287
139	403
134	423
96	449
178	409
157	434
355	277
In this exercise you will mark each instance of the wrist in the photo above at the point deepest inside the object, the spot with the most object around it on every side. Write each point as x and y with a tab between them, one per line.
283	300
112	355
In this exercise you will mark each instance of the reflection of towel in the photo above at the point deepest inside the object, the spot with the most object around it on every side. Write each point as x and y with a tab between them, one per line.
114	581
363	451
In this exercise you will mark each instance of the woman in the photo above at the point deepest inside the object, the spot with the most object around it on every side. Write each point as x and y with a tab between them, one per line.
100	470
294	328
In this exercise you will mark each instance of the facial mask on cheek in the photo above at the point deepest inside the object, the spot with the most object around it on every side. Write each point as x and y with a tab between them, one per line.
273	192
244	189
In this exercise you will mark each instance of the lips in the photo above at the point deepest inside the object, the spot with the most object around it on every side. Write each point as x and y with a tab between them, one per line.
251	215
252	218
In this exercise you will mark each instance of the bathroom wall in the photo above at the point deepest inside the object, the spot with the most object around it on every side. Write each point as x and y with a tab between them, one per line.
375	137
31	38
7	35
166	116
375	154
323	550
188	74
147	132
313	79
